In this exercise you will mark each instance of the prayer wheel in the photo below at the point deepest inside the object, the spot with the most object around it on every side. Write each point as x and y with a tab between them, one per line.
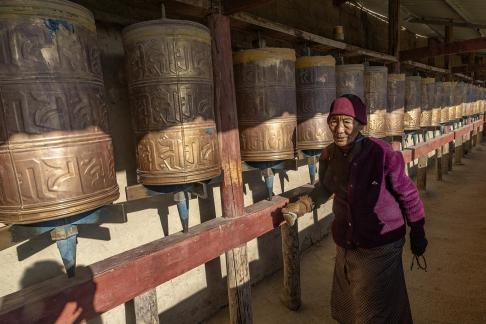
413	98
459	99
428	101
452	100
375	88
316	90
350	80
266	103
396	104
446	102
438	98
466	105
56	154
170	82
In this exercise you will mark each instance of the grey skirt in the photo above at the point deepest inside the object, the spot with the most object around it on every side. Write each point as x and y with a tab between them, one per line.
369	286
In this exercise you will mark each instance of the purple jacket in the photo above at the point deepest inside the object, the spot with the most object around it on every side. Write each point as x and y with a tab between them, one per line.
373	195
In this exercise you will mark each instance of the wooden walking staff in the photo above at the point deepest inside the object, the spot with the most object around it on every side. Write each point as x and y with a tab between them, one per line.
238	273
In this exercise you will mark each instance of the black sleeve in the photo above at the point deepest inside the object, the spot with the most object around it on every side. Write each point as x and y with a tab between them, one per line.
321	194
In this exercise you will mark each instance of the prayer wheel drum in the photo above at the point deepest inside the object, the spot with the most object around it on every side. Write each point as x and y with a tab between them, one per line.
170	82
413	98
350	80
56	154
446	102
428	101
436	108
396	104
375	88
459	99
316	90
266	103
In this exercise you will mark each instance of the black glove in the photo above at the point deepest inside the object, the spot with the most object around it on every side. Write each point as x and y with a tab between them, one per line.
418	242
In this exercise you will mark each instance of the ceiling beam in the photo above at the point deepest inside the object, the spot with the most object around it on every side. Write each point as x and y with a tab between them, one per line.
233	6
469	68
460	12
458	47
445	22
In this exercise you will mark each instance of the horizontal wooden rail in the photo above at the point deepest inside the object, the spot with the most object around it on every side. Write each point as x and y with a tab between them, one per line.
118	279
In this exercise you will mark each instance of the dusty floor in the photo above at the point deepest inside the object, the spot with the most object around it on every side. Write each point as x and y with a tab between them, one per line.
454	288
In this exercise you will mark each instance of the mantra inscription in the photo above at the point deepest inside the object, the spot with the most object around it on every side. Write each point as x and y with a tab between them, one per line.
375	87
350	80
413	98
316	90
266	102
56	157
171	98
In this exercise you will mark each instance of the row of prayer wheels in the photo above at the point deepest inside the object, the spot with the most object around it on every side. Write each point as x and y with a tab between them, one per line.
56	154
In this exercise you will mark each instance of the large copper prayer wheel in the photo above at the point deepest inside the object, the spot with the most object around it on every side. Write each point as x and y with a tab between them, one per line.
170	82
413	98
375	88
350	80
396	104
316	90
56	156
428	101
446	102
437	107
266	102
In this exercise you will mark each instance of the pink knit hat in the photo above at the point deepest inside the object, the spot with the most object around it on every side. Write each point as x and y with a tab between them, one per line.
349	105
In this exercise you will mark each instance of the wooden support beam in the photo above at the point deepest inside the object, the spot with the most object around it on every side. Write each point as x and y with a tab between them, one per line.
233	6
448	39
313	38
238	272
459	150
394	32
469	68
421	179
118	279
438	163
291	295
458	47
425	67
445	22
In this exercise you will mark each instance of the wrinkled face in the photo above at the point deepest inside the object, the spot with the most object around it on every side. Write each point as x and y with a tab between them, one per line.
344	129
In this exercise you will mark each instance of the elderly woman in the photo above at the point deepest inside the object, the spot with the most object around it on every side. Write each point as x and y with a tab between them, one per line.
373	198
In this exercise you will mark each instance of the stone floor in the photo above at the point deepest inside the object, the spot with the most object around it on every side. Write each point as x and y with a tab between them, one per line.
453	290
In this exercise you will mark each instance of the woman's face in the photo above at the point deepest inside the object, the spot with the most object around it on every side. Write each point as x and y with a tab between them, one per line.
344	129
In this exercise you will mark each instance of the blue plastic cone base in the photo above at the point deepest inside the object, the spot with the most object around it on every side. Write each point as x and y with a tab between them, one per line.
67	249
312	172
269	185
183	214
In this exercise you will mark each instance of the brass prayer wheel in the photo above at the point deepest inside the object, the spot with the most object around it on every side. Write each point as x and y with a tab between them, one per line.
452	100
428	101
170	83
446	102
266	103
436	109
350	80
56	154
465	103
413	98
459	99
316	90
396	104
375	87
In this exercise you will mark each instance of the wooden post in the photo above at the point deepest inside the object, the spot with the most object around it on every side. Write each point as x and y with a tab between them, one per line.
421	178
239	289
143	309
458	150
291	296
438	162
394	32
450	156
